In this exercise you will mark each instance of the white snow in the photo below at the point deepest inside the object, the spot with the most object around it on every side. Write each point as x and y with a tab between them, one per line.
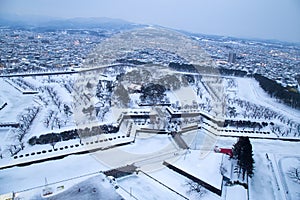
270	179
94	186
16	102
147	143
286	164
205	167
21	178
237	192
143	187
249	89
263	184
178	183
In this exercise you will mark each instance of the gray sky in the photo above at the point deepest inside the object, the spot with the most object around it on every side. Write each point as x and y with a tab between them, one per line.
269	19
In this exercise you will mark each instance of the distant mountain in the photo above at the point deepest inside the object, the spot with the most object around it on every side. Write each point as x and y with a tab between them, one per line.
257	41
42	22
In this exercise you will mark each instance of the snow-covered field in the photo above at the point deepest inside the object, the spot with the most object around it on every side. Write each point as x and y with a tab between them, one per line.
144	144
1	103
142	187
57	103
263	185
206	168
249	89
179	183
16	102
270	172
22	178
88	187
289	169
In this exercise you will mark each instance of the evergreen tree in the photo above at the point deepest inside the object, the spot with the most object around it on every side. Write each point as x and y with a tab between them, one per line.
242	151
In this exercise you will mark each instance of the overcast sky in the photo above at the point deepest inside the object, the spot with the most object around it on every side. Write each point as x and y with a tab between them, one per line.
269	19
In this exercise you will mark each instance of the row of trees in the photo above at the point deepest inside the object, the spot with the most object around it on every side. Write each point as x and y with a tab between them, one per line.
249	110
288	127
188	68
53	119
54	96
245	124
69	85
232	72
23	84
276	90
53	138
286	130
25	121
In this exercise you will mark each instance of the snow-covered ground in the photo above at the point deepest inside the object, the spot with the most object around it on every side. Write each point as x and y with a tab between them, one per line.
5	136
287	166
249	89
179	183
148	151
147	144
22	178
269	177
143	187
87	187
263	185
206	168
1	102
237	192
16	102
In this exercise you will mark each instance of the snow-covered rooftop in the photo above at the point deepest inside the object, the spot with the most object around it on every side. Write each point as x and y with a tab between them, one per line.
205	168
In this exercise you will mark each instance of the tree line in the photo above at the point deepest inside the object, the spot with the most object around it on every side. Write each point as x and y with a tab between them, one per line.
278	91
244	124
25	121
53	138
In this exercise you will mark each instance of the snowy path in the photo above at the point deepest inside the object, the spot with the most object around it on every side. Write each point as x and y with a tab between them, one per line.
279	173
277	176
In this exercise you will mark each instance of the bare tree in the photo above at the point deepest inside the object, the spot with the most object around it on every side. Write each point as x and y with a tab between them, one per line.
57	122
298	130
20	134
47	121
294	174
25	121
13	150
1	154
22	146
195	189
48	118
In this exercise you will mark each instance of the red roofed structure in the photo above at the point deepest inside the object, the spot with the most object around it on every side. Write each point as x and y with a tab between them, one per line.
224	151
